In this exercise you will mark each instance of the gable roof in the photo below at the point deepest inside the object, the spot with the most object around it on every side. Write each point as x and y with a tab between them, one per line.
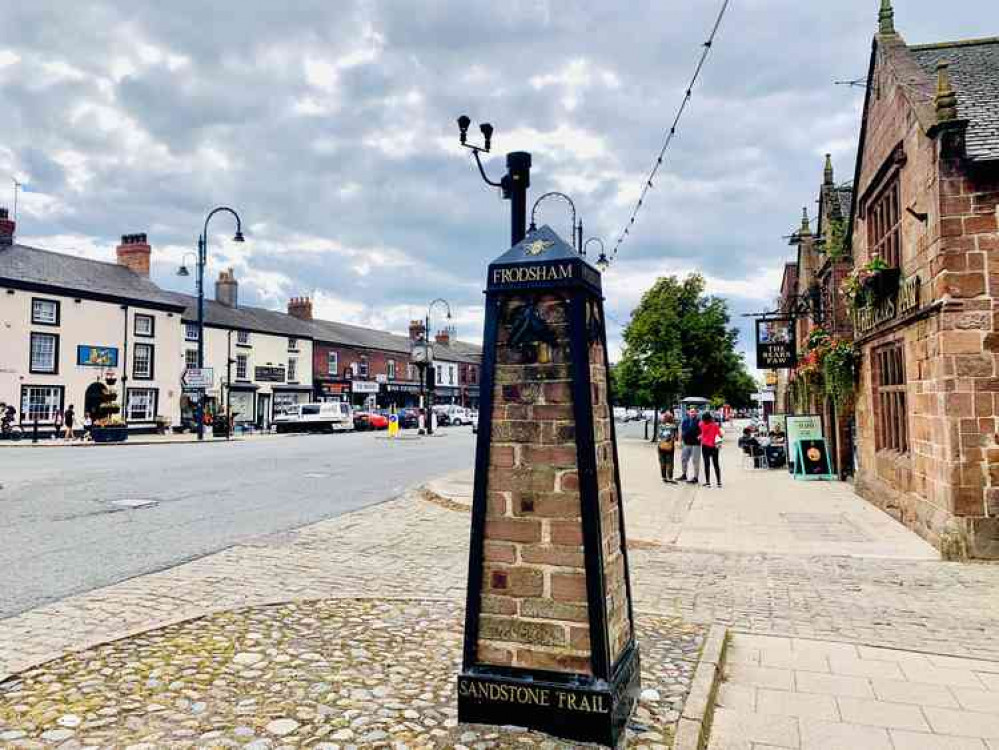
255	319
974	73
44	270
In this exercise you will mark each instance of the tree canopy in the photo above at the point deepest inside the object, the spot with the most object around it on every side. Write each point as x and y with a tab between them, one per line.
680	343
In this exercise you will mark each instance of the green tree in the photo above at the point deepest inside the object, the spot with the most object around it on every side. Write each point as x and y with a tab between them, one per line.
679	342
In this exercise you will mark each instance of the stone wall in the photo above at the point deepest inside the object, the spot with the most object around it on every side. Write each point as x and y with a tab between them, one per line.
945	487
534	612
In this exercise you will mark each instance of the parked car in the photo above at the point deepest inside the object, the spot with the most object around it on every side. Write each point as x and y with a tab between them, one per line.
370	420
326	416
456	415
409	419
443	418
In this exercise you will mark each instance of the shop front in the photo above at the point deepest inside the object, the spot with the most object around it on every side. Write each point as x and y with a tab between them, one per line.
400	395
445	394
364	393
287	396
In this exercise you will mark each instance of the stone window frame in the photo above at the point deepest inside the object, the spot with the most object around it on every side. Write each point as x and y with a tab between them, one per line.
40	304
34	366
891	408
144	326
143	365
881	199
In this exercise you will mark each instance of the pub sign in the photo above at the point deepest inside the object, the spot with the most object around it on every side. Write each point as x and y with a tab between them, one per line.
96	356
775	344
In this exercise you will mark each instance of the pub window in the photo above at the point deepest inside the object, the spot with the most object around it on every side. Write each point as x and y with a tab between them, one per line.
892	428
292	369
190	331
191	359
242	366
243	338
142	362
332	363
44	353
884	224
45	312
140	405
292	345
144	325
40	403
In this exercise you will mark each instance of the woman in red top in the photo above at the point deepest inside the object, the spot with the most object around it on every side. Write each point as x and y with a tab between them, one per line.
711	435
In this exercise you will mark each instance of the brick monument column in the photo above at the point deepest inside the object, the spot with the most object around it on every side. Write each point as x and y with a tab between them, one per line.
549	636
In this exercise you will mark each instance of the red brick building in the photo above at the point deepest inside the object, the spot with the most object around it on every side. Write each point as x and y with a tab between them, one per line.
354	363
925	201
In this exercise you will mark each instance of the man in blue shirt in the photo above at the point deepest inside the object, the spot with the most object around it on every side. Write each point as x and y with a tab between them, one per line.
690	434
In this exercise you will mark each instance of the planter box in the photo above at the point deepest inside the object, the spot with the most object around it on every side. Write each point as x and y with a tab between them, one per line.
115	434
884	283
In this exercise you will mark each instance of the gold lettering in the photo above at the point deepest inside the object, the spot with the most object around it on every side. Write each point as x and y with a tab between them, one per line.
584	704
463	688
599	707
561	699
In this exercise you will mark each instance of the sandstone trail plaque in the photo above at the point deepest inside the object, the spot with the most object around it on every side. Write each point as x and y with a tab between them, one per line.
549	636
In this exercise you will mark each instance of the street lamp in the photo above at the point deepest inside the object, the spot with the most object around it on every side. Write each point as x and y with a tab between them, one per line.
426	359
575	229
602	262
514	183
202	259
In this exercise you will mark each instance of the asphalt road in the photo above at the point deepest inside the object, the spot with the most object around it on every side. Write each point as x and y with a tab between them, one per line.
66	525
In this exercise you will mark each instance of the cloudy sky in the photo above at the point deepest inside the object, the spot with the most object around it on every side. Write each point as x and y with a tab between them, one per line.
330	127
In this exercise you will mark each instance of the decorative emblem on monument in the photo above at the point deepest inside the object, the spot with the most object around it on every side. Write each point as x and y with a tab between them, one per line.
549	637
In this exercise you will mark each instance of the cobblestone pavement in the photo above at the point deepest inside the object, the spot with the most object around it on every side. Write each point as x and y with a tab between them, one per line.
324	674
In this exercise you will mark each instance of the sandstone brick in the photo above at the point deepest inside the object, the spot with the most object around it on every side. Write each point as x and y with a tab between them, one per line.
499	552
558	393
569	587
516	432
982	224
579	638
951	227
960	285
513	530
551	412
511	630
566	533
969	501
568	481
566	557
490	654
560	456
952	187
498	605
497	504
502	456
516	412
546	609
955	205
555	662
516	582
960	342
975	365
547	504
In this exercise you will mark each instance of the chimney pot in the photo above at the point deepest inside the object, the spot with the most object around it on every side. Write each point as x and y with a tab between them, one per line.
134	253
300	307
6	228
227	289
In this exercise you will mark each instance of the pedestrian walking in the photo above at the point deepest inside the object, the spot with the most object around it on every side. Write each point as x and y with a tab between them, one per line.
58	423
711	438
69	418
690	434
667	447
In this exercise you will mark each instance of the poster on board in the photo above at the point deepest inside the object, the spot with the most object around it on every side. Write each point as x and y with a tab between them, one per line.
801	427
812	460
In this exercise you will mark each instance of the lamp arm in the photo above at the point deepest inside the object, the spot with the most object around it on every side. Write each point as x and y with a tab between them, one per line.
239	225
482	170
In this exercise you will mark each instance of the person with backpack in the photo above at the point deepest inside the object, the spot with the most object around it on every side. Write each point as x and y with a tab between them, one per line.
690	434
666	447
711	438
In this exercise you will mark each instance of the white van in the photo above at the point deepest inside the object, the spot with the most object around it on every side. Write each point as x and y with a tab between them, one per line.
456	415
325	416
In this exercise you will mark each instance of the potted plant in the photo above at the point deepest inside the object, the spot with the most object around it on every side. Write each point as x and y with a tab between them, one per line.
871	282
108	427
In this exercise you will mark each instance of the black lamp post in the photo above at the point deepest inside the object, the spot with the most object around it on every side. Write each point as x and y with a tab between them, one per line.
602	262
429	359
514	183
575	229
182	271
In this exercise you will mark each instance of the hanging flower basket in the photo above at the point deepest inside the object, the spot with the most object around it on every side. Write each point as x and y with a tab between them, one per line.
884	284
871	282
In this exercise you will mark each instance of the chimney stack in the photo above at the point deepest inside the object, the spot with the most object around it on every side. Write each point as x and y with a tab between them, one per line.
6	228
415	330
227	289
134	252
300	307
444	336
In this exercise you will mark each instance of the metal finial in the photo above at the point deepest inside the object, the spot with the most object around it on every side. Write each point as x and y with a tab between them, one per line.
828	170
886	18
806	227
946	100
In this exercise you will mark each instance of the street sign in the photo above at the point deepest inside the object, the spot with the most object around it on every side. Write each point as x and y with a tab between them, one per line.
765	397
194	377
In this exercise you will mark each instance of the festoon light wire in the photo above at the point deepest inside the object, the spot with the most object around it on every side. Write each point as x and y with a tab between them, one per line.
671	133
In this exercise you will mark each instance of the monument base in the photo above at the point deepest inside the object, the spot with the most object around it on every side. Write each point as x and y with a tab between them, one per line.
578	708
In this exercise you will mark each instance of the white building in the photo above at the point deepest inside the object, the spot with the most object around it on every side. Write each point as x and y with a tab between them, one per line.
261	359
71	327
